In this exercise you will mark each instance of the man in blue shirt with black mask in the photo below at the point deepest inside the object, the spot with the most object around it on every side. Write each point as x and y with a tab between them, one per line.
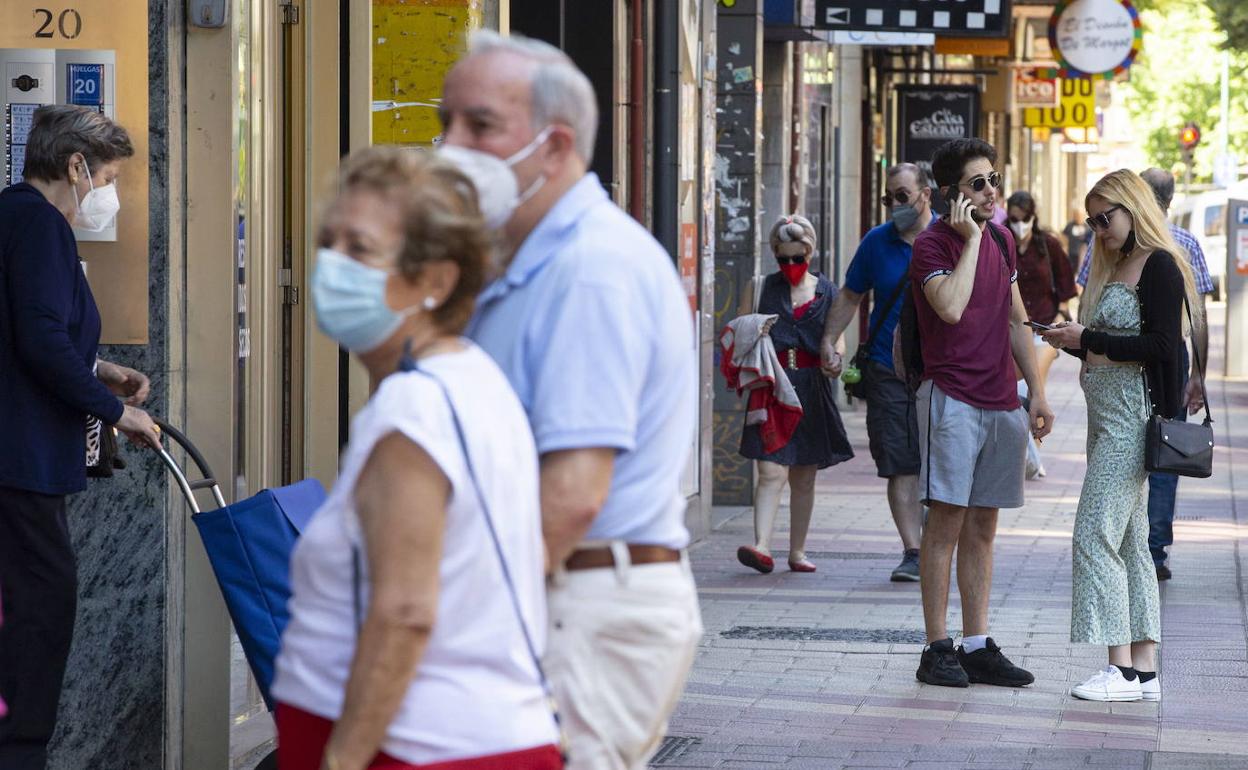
881	265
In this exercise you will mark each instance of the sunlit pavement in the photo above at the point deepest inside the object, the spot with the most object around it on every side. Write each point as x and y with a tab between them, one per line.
817	671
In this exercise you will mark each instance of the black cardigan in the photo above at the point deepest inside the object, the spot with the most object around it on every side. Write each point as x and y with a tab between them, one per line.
1157	346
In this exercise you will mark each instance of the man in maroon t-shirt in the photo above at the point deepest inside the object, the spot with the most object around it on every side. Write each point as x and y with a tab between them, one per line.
973	433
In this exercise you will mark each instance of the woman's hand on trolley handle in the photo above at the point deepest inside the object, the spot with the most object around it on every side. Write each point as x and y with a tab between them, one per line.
139	428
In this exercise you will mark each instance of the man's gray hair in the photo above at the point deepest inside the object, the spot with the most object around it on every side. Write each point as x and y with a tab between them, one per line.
921	177
561	92
58	131
1162	182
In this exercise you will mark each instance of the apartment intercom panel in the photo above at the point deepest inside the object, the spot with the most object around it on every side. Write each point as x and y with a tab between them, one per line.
33	77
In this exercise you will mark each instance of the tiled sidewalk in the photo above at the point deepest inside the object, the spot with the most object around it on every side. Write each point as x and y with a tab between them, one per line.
817	671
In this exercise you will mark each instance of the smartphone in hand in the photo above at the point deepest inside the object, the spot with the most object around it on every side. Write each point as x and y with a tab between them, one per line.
1039	326
951	198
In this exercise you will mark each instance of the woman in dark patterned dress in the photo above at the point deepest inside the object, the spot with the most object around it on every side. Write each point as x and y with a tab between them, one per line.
800	299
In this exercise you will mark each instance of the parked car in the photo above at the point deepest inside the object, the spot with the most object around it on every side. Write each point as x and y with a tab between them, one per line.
1204	216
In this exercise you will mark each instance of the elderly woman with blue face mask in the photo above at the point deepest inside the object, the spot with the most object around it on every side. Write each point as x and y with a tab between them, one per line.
51	383
417	607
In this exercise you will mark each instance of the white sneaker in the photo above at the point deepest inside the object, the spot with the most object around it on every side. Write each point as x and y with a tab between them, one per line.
1151	689
1109	684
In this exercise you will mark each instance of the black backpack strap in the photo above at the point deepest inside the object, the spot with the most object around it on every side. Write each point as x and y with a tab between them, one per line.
1001	244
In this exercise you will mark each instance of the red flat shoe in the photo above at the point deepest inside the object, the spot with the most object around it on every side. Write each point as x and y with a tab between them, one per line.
755	559
805	565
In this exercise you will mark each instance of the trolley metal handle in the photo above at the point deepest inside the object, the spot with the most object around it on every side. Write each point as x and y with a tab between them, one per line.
188	486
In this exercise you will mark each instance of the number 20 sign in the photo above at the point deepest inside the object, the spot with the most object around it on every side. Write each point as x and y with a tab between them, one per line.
1076	107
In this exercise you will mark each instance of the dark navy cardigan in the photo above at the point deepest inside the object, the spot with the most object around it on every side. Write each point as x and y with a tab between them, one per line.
49	334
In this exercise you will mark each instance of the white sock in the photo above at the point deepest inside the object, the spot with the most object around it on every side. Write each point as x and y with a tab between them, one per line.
972	643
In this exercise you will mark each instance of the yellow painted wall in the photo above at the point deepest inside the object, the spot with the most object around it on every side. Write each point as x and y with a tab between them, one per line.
415	42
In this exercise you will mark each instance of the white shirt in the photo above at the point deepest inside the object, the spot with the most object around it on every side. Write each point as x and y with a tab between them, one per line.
476	690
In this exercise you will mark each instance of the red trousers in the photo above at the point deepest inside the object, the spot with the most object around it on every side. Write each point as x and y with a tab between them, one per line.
301	739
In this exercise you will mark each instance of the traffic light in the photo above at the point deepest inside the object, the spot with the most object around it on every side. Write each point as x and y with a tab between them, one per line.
1189	137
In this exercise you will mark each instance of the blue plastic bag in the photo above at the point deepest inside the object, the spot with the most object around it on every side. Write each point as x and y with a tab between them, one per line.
249	544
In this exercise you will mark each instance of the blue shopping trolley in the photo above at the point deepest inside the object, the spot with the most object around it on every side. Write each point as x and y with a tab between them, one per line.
249	545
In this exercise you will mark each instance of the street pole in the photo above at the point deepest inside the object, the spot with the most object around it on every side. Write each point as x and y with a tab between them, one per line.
1226	103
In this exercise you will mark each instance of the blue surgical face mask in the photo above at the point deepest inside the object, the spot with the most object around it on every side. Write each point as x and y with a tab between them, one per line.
350	301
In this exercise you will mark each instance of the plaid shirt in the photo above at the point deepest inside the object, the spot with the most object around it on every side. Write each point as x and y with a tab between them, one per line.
1186	241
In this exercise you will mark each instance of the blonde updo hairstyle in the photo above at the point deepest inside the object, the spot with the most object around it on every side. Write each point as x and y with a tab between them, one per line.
793	228
440	214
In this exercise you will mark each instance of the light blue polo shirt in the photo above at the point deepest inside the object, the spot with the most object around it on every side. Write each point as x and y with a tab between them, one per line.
592	328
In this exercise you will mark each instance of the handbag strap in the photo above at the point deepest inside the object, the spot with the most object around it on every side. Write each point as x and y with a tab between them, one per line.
410	365
888	308
1200	370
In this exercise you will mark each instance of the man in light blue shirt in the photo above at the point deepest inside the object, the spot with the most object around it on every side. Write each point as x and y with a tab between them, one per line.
590	324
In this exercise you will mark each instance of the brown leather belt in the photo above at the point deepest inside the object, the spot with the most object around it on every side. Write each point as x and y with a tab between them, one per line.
600	558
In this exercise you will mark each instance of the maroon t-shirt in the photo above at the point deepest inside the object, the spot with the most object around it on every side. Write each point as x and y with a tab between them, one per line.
970	360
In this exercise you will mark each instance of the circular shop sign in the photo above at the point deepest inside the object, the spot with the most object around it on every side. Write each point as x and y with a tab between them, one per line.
1094	38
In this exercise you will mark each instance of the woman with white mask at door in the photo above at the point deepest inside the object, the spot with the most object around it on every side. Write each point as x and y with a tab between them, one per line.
51	383
418	612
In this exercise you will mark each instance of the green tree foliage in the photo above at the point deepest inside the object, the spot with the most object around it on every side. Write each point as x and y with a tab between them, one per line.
1232	16
1177	78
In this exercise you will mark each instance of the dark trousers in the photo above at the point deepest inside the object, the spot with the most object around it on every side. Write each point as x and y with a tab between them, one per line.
1163	489
39	588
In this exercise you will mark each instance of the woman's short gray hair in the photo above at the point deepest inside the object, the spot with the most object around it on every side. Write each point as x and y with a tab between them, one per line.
61	130
793	228
561	92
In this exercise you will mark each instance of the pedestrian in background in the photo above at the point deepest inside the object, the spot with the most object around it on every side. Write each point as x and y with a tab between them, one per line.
881	265
51	381
800	300
1046	283
592	328
973	435
1078	237
1130	331
417	612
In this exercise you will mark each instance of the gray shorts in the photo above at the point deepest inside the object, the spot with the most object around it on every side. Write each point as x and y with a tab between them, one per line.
972	457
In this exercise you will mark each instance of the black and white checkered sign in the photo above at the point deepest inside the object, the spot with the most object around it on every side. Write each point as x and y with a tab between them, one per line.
957	18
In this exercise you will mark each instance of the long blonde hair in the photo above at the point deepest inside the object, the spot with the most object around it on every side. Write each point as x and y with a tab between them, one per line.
1125	188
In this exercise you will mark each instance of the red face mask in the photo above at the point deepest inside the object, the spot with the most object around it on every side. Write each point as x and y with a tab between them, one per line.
795	273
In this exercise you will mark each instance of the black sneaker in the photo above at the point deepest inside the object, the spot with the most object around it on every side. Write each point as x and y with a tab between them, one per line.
990	666
939	666
908	570
1163	572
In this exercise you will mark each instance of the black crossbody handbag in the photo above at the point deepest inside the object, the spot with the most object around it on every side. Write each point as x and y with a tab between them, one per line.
1178	447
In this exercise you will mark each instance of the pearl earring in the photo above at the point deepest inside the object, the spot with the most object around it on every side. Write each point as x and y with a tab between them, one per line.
430	303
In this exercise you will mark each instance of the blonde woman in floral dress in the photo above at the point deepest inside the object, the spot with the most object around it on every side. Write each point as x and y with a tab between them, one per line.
1129	334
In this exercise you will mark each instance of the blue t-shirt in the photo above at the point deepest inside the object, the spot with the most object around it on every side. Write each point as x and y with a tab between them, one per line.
879	265
593	330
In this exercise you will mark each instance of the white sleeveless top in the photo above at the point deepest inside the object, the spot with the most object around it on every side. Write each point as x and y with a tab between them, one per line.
476	690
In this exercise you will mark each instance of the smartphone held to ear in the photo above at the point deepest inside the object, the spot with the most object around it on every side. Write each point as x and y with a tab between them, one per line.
952	198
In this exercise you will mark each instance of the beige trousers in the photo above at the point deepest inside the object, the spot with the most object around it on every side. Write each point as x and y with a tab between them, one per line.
621	642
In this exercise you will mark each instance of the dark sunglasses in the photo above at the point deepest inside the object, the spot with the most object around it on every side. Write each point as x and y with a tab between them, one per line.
980	182
901	196
1101	220
790	260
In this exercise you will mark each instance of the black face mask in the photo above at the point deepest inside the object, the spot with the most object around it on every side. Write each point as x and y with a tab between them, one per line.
1128	245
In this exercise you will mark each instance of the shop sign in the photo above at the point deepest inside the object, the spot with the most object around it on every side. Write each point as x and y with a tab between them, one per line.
1076	108
929	116
979	18
1094	38
1032	91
